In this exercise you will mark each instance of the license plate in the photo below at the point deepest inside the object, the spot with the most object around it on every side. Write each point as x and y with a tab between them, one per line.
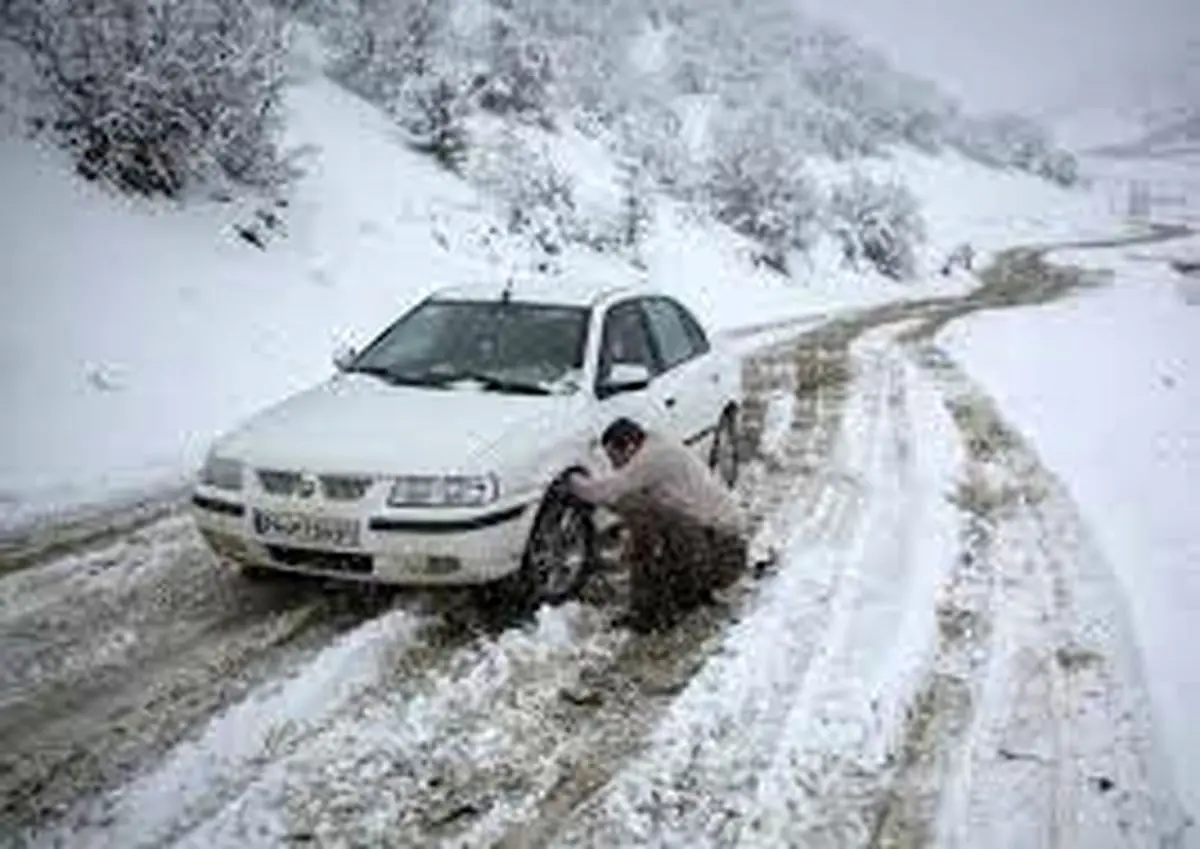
322	531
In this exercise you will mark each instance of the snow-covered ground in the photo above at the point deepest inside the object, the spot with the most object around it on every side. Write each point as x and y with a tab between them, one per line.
1105	385
131	333
940	658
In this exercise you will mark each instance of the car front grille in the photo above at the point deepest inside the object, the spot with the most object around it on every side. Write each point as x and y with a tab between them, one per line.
279	483
333	487
345	487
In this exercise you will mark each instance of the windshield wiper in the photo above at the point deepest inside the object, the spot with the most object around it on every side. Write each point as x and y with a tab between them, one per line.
499	384
395	378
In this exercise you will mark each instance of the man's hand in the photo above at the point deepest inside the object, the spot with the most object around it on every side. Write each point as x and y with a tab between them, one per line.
562	489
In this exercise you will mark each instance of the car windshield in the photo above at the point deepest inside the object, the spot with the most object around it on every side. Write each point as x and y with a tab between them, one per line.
504	346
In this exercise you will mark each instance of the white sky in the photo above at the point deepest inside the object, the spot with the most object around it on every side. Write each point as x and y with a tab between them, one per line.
1023	54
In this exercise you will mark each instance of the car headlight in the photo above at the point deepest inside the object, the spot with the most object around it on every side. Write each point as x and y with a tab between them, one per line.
222	473
443	491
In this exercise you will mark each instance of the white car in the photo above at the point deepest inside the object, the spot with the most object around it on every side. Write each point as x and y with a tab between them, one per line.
428	458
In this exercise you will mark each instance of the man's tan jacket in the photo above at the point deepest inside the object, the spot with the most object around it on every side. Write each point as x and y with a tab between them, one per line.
664	477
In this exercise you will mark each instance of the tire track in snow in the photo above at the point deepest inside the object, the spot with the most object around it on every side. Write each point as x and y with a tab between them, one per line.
833	751
701	774
939	716
1048	742
37	542
114	656
388	658
424	758
640	685
1031	728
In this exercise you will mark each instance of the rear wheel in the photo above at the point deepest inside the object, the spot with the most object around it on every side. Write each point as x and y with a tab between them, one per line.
723	456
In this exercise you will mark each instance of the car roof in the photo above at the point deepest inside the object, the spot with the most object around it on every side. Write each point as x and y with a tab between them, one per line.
566	290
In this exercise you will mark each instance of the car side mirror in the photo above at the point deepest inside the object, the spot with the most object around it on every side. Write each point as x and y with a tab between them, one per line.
343	356
625	377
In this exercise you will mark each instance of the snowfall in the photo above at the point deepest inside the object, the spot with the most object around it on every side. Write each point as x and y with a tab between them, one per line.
131	334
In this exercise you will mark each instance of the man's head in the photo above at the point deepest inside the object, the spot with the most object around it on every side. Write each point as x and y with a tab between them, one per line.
621	440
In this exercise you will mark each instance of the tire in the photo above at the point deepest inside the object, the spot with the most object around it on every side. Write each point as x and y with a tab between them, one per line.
560	554
723	456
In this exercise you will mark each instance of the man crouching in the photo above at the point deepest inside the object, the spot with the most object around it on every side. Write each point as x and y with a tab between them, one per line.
687	534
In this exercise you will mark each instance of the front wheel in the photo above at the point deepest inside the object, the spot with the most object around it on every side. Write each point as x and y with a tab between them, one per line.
723	457
560	553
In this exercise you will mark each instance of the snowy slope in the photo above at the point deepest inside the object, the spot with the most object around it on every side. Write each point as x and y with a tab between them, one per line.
1106	387
992	209
132	332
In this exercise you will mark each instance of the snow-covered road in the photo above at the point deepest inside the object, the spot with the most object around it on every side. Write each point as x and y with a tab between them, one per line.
941	658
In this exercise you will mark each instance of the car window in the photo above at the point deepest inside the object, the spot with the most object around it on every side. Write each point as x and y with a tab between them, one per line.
537	343
625	339
675	344
695	332
413	336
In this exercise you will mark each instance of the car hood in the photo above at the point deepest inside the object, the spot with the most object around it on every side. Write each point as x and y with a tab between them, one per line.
357	423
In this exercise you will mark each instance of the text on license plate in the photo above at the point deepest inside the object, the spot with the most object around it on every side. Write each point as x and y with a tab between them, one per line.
300	528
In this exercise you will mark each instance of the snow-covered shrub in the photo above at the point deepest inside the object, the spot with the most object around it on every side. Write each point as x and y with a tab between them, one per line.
402	55
651	135
879	223
833	131
583	45
543	207
635	215
537	198
757	185
925	115
433	63
380	45
149	95
515	71
432	108
22	106
1061	167
1013	141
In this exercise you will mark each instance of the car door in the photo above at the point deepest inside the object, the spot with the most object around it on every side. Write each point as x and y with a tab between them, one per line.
625	339
685	385
719	375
